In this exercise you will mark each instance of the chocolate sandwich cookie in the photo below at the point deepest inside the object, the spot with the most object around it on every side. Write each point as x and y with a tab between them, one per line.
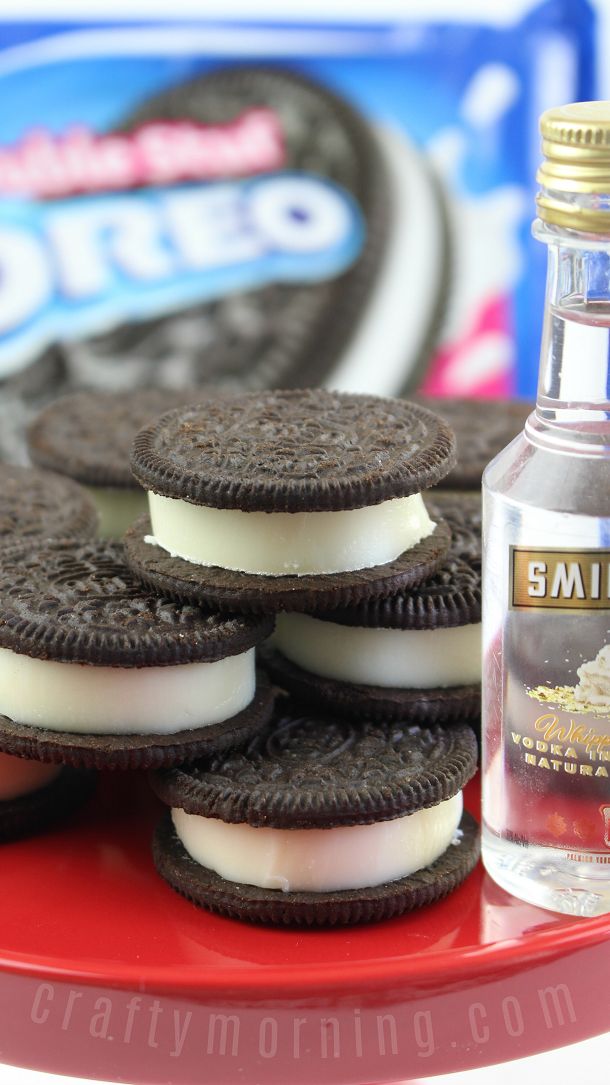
320	821
289	500
95	671
88	437
483	427
37	503
413	655
35	797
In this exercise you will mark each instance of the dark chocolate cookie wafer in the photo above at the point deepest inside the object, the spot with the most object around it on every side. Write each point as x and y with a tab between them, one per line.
100	673
355	786
294	451
37	503
411	655
483	427
297	456
312	771
44	809
463	511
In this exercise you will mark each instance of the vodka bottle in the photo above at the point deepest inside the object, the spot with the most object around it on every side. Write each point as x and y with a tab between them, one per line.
546	609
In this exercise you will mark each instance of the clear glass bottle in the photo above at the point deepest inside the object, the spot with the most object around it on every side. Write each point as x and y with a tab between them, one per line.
546	608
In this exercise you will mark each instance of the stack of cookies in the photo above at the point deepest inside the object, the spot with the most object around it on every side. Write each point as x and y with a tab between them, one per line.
34	504
412	655
343	803
347	806
96	672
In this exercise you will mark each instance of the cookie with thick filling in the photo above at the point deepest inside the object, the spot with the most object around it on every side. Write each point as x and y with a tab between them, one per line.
289	500
413	655
95	671
87	436
321	821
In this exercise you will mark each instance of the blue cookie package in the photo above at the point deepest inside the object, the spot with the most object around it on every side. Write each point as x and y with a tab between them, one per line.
277	200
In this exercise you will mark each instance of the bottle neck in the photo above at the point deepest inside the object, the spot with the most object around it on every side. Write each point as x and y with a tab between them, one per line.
573	402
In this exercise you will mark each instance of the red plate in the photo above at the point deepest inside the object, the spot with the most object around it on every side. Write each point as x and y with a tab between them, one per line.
105	972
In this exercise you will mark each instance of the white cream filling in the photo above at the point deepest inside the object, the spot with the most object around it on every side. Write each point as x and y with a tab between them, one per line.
403	658
20	777
117	509
81	698
288	543
320	860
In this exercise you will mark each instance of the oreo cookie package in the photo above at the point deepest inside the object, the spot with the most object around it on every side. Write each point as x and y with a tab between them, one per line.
260	204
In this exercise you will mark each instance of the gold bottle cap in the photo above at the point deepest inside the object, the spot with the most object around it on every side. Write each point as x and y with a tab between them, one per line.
576	167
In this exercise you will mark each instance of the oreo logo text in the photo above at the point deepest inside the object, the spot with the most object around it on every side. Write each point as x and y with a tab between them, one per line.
75	267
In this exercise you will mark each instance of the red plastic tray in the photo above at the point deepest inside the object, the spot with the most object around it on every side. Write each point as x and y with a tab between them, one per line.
105	972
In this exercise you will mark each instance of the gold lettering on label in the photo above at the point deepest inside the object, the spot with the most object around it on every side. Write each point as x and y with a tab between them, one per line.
567	766
516	738
542	747
528	742
549	726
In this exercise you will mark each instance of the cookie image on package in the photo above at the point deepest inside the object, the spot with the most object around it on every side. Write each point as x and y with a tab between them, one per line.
98	673
35	504
482	427
320	821
289	500
321	326
88	436
413	655
278	334
35	796
292	334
